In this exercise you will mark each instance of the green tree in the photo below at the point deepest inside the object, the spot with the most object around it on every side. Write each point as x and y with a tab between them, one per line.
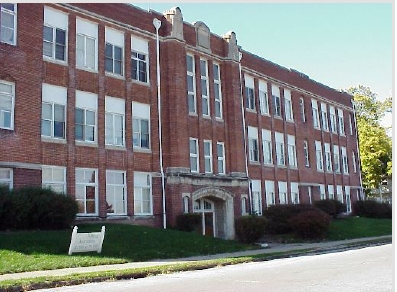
374	143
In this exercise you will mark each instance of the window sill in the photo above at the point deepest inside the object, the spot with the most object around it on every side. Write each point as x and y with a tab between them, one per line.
142	150
53	140
254	163
117	76
87	69
113	147
220	120
290	121
278	118
140	82
250	110
87	144
54	61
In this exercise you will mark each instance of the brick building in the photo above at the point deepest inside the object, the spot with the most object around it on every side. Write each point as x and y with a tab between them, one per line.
141	116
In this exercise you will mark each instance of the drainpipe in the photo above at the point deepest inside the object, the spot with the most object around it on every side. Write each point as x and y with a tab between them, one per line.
358	149
240	56
157	24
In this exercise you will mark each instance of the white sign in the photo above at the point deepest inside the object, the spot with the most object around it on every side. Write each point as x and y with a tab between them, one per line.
83	242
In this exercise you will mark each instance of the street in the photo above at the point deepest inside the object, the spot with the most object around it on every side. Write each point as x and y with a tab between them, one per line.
367	269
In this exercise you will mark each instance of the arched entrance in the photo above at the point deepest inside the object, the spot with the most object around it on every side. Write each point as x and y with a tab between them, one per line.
217	212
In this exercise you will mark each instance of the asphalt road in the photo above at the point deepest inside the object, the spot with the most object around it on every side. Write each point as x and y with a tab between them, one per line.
367	269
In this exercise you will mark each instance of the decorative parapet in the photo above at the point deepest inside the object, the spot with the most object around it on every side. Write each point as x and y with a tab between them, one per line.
174	16
233	50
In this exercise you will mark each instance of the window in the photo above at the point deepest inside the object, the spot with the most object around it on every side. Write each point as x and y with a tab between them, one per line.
220	146
354	162
291	151
114	121
54	178
336	159
294	193
348	199
302	109
322	192
289	115
194	155
191	84
185	201
263	98
85	116
208	156
276	101
6	177
143	202
116	194
141	125
217	91
332	118
350	124
249	93
341	122
256	197
244	204
253	144
86	44
139	59
345	165
270	197
306	153
327	154
8	23
280	150
53	111
319	156
316	122
324	117
331	194
204	87
267	147
7	102
339	193
87	191
55	34
282	192
114	51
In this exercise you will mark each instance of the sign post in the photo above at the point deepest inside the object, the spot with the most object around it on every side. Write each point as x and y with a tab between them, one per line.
84	242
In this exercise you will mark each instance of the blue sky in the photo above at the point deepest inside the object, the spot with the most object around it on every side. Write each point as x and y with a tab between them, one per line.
340	45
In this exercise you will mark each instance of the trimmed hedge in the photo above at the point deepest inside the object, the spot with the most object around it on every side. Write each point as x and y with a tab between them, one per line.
35	208
331	207
188	222
372	209
250	228
310	224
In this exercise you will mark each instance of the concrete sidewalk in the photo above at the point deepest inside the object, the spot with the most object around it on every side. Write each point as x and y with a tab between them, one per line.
317	247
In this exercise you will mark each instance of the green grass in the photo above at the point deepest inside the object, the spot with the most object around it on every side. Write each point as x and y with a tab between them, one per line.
46	250
357	227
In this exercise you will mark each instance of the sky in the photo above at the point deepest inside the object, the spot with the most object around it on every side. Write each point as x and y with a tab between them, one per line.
341	45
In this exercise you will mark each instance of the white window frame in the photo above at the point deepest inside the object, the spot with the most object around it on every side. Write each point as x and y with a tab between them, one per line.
244	204
323	195
276	101
350	124
14	29
194	155
289	114
139	56
282	193
113	189
7	180
332	118
267	147
221	157
292	161
86	30
331	192
54	96
191	94
341	122
294	193
207	149
7	97
319	156
280	148
339	193
324	117
253	144
115	39
217	91
80	173
345	162
316	119
87	102
302	109
52	182
139	186
306	153
55	20
114	107
140	113
249	93
205	91
263	98
270	193
328	159
354	161
336	156
256	197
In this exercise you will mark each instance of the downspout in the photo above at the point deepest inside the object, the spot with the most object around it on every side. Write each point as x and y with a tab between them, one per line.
157	24
358	149
240	55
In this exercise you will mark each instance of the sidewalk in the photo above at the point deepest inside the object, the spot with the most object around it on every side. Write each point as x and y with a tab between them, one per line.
327	246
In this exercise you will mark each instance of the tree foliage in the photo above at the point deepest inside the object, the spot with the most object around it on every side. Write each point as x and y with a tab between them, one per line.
375	144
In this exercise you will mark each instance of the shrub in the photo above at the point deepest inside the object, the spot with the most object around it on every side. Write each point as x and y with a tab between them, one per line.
36	208
250	228
279	217
331	207
372	209
310	224
188	222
